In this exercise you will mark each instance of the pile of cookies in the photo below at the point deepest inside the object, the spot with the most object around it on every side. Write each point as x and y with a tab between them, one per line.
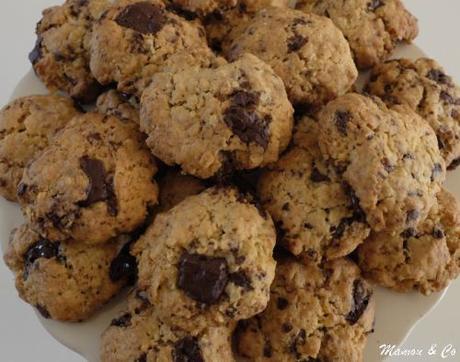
216	157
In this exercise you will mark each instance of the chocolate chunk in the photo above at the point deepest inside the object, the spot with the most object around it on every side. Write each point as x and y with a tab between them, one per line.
187	350
124	266
41	249
296	42
408	156
317	176
361	297
242	119
95	171
299	340
358	213
438	76
43	311
123	321
286	327
112	202
436	172
241	279
454	164
268	349
282	303
446	97
100	185
438	233
202	277
22	189
142	358
374	4
412	215
337	232
387	165
186	14
143	17
408	233
36	53
341	121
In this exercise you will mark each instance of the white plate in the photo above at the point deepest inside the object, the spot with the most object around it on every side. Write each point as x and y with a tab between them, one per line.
397	314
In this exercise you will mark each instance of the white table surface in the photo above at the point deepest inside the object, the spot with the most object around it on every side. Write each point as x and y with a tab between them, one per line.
22	339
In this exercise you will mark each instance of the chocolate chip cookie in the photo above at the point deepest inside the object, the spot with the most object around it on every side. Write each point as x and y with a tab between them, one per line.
423	86
389	159
27	126
64	280
133	40
236	116
372	27
94	182
61	54
222	21
309	53
316	215
208	260
113	103
425	258
140	334
315	314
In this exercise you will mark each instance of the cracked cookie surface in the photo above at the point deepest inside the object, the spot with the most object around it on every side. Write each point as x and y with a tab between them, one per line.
315	313
425	258
140	334
95	181
61	55
27	126
372	27
134	39
209	260
309	202
389	158
424	86
309	53
236	116
64	280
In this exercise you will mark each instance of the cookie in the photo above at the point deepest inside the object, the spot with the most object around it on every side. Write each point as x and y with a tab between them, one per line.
134	39
113	103
61	54
389	159
27	126
425	258
315	214
236	116
424	87
373	28
140	334
220	22
94	182
176	187
208	260
64	280
309	53
315	314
